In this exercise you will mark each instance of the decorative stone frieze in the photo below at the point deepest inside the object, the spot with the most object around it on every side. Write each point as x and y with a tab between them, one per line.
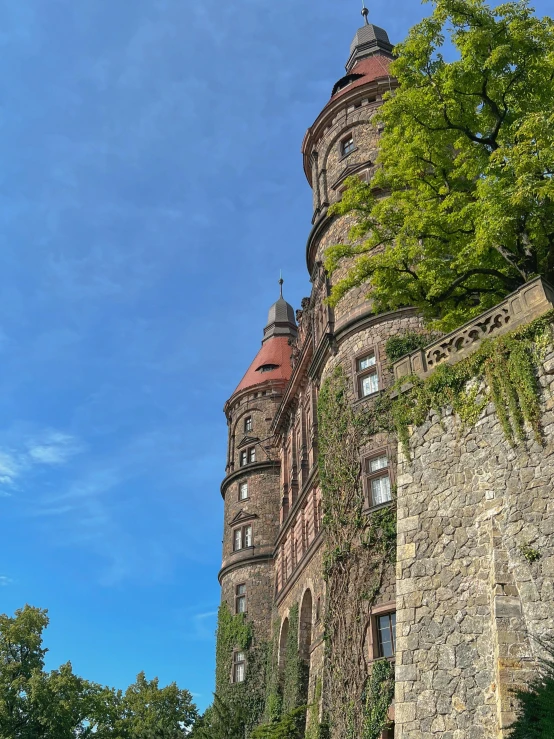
532	300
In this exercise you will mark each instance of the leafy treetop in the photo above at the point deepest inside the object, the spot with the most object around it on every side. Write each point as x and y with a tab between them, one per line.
460	211
61	705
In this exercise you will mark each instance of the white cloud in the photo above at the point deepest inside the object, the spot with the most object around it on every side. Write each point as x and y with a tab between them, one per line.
53	449
48	449
5	581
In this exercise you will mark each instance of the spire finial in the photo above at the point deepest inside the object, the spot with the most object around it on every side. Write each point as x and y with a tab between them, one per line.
281	281
365	12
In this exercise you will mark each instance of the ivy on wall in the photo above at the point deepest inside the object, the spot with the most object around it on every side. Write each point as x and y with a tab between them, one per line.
507	364
287	685
360	550
243	702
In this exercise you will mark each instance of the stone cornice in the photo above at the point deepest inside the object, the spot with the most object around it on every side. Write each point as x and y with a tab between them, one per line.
245	562
248	469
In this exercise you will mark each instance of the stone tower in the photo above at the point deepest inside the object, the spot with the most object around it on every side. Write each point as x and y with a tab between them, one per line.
251	486
472	556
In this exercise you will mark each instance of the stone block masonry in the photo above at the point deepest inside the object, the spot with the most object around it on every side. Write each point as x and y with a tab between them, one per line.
475	573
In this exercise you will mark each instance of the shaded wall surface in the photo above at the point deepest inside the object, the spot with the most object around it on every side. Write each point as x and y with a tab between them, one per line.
469	601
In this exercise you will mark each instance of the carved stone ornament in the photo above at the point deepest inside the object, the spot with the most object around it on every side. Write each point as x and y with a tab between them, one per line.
531	301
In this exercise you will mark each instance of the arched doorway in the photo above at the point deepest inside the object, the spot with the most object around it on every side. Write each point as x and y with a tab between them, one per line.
305	640
283	645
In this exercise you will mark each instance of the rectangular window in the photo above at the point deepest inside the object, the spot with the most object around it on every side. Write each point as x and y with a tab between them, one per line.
240	599
243	458
239	667
367	375
237	540
386	634
243	491
252	454
347	145
248	424
242	538
378	480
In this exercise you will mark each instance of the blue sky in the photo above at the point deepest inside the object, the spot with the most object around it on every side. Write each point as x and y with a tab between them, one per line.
152	188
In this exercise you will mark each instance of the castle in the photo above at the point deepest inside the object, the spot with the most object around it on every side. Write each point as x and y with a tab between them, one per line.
455	610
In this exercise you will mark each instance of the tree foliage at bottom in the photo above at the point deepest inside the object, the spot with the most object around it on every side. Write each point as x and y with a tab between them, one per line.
535	715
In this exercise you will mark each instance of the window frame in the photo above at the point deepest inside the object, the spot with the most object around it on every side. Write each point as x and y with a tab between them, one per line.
248	425
247	456
345	142
242	531
368	476
239	664
360	374
240	597
373	635
243	484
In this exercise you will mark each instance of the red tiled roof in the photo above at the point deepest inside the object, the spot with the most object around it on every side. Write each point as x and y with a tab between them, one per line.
372	68
274	351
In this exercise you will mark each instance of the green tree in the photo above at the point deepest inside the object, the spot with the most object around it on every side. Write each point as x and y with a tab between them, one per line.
536	705
150	712
37	704
461	209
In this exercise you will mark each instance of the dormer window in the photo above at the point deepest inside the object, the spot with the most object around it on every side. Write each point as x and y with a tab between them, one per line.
248	456
347	145
268	367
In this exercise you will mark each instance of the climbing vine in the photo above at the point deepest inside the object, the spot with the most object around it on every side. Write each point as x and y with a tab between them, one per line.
507	364
360	551
246	699
295	672
287	685
379	693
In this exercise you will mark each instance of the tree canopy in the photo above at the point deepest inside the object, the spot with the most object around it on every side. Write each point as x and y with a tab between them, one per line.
460	211
38	704
535	714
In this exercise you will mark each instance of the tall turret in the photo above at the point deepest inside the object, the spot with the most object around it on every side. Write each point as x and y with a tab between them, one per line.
251	486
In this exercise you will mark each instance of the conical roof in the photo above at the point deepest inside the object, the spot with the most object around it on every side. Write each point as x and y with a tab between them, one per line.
272	362
280	320
368	41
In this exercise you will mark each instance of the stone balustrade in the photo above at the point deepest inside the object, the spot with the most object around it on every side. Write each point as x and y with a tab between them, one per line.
531	301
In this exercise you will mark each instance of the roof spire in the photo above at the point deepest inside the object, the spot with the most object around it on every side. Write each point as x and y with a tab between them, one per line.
281	281
365	12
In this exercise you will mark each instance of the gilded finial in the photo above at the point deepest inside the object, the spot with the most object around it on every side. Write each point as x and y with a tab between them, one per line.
365	13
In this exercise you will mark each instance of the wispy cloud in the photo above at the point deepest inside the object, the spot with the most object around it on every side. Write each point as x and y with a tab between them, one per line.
4	581
25	455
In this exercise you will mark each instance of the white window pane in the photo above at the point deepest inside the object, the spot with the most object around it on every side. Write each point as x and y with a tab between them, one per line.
378	464
366	362
380	490
248	536
239	673
238	539
244	491
241	605
370	385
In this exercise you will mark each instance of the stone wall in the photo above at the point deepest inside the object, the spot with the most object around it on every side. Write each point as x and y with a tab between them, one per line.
469	602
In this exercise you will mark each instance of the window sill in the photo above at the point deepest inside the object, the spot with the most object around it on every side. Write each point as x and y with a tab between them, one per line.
345	156
244	549
371	396
379	507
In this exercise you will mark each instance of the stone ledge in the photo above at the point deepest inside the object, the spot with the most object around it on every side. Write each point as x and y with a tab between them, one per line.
531	301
